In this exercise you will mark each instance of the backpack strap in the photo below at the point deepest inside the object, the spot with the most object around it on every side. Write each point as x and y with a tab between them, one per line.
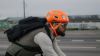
29	48
37	50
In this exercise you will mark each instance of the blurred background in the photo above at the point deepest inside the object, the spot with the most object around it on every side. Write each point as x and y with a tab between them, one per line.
83	31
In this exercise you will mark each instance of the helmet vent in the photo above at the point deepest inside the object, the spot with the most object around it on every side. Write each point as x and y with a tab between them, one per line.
56	16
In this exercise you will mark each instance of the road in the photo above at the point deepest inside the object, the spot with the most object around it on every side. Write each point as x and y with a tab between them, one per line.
75	43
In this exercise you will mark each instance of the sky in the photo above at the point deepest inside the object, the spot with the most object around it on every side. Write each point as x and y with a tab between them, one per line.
14	8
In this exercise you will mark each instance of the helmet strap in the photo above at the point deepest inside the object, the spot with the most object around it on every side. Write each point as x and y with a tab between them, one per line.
53	30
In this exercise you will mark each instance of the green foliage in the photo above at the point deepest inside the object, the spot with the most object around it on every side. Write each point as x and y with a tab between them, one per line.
5	25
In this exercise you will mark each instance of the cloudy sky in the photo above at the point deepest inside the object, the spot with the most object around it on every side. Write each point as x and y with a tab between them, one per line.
14	8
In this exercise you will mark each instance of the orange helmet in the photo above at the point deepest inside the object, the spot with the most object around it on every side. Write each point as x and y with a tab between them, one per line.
57	20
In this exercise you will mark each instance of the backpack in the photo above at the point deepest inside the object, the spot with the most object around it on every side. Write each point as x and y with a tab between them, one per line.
25	26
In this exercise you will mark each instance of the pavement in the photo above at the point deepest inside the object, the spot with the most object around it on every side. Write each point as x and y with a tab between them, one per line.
75	43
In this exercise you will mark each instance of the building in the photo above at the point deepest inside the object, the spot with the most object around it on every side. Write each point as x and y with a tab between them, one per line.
84	22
